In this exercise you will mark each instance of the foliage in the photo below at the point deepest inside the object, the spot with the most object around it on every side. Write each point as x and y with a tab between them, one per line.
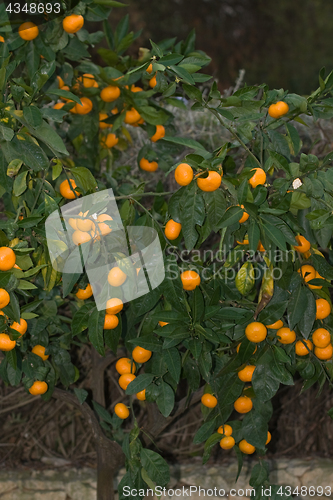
40	147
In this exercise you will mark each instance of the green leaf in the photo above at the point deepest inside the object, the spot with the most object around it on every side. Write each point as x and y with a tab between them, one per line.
275	235
33	116
306	322
255	429
192	213
84	178
81	395
6	133
230	217
165	399
279	161
216	205
95	330
254	236
156	467
296	306
192	92
173	361
205	431
149	342
32	155
264	381
102	412
140	383
209	444
81	317
20	183
189	143
65	94
260	473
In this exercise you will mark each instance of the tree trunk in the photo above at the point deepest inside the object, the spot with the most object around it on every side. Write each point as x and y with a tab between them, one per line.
109	453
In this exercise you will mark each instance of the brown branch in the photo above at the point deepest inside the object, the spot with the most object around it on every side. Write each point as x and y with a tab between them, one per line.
161	423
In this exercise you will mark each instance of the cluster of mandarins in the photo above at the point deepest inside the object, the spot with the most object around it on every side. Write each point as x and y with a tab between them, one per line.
8	262
184	175
126	368
72	24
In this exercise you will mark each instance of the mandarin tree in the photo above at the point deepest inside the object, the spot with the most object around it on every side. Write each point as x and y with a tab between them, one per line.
248	313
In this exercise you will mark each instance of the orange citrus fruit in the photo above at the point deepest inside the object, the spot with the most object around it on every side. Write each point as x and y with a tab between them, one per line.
225	429
227	443
114	306
301	349
110	93
6	344
321	337
38	387
125	380
308	272
172	229
141	355
303	244
279	109
84	293
183	174
286	336
121	411
28	31
148	166
85	107
66	191
80	237
7	259
276	326
244	217
84	225
141	395
153	82
245	375
39	350
243	404
109	141
125	365
103	228
317	276
159	134
132	116
323	308
209	400
116	277
162	323
256	332
20	327
88	80
103	116
4	298
324	353
73	23
210	183
110	322
190	280
59	105
246	447
258	178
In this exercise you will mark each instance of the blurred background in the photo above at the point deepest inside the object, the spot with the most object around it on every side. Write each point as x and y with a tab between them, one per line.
282	43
